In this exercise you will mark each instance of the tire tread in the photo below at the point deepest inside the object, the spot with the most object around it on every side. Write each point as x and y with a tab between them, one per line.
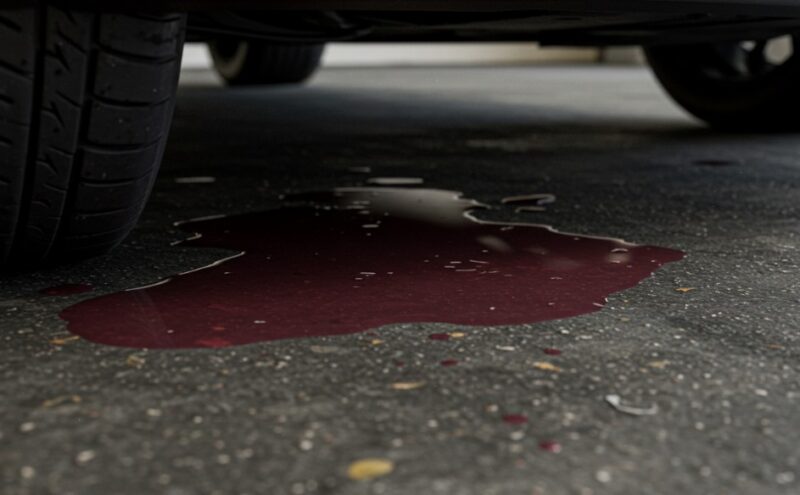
95	141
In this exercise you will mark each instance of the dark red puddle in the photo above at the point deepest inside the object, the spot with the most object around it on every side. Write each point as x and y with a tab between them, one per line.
66	290
361	258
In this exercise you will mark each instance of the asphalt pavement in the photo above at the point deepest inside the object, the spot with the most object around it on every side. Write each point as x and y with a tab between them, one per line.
687	383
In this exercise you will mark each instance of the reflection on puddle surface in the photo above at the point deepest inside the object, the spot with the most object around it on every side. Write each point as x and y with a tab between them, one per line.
530	202
360	258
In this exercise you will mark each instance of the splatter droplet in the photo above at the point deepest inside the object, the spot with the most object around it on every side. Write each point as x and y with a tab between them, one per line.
550	351
370	468
515	419
550	446
449	362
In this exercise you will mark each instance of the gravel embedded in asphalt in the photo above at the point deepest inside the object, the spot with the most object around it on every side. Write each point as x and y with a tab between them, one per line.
687	383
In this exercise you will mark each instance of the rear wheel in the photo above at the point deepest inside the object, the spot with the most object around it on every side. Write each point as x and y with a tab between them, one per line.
85	105
748	85
260	63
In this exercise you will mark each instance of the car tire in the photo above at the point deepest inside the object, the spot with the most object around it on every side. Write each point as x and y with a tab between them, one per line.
731	86
86	102
247	63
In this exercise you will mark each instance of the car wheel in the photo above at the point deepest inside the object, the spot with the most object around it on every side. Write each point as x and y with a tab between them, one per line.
243	63
86	101
748	85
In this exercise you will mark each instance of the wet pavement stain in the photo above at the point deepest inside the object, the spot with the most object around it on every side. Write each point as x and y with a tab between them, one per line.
360	258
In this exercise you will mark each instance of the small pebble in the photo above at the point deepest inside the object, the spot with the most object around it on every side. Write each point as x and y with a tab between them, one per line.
85	456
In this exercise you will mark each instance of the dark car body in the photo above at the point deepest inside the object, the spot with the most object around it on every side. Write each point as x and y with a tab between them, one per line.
568	22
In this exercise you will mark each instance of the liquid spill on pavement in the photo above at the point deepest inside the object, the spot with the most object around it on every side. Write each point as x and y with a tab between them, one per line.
360	258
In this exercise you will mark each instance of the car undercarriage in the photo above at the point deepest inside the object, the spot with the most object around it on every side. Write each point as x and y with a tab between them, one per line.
567	22
88	88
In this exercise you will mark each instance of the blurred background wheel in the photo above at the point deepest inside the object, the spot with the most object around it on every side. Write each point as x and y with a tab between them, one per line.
746	85
243	63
